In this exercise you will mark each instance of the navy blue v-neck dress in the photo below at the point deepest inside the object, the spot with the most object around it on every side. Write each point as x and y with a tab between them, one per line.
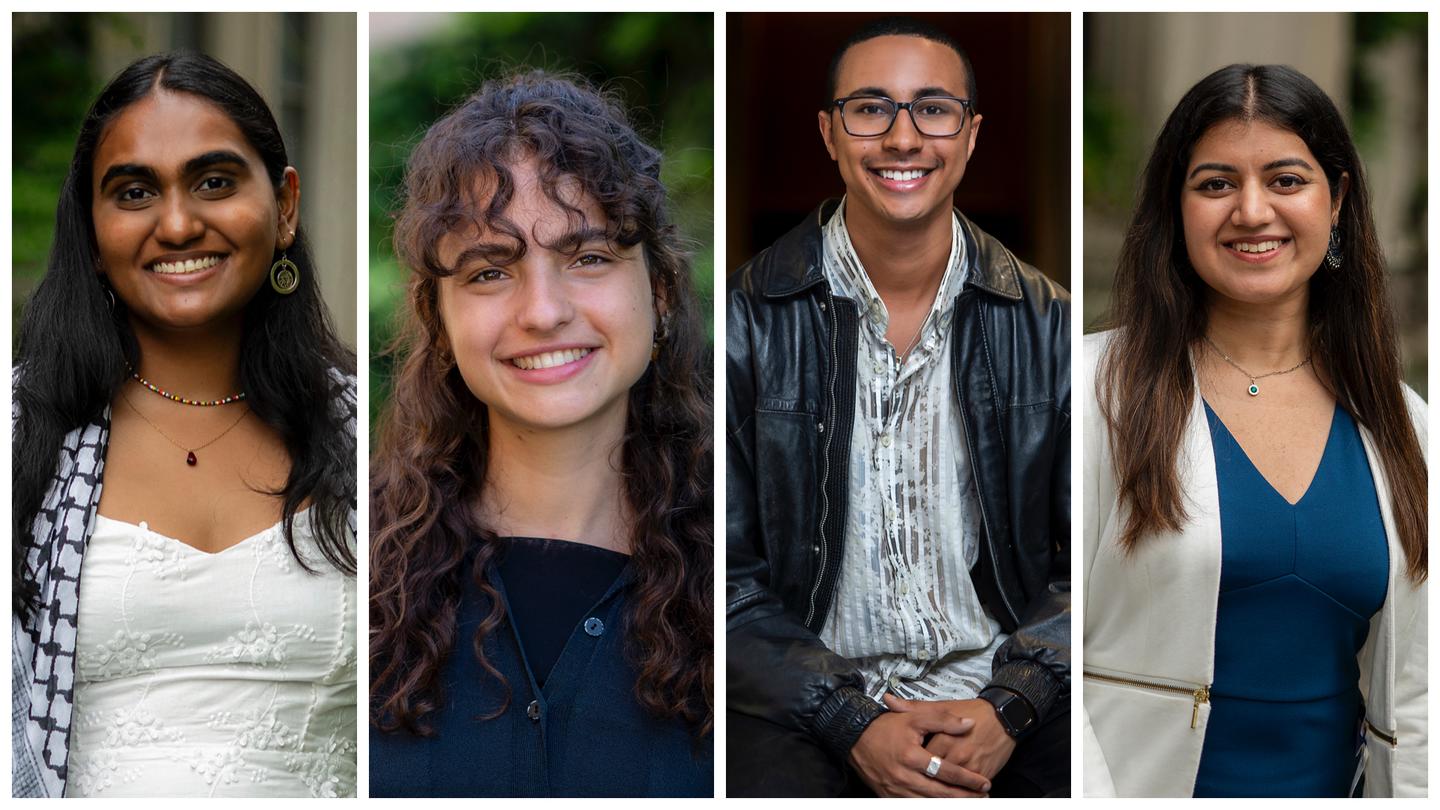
1299	584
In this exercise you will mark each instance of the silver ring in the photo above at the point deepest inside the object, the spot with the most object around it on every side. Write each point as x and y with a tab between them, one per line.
933	769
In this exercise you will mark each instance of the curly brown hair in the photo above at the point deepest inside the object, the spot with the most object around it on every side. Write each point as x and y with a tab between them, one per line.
432	447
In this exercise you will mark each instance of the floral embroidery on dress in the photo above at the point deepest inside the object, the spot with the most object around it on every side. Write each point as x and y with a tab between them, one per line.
218	767
125	728
250	731
254	729
326	772
97	774
160	554
127	653
237	699
261	644
273	549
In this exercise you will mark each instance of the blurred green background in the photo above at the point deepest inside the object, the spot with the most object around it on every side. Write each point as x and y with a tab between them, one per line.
422	65
1137	67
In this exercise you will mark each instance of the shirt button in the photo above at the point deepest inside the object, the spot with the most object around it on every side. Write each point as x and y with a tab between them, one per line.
884	439
923	655
815	549
594	626
533	710
894	681
879	369
904	588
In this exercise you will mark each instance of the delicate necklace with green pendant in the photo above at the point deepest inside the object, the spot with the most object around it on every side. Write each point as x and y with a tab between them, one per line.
1254	388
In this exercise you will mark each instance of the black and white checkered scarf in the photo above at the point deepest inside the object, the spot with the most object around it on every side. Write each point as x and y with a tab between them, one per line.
42	699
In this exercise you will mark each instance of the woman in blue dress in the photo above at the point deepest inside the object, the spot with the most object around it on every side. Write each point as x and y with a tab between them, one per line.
1255	550
541	515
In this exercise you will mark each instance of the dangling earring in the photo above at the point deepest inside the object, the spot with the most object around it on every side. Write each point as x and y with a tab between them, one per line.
662	331
1333	256
284	275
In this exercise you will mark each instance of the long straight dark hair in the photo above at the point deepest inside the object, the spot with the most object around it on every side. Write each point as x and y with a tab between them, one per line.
74	347
1145	383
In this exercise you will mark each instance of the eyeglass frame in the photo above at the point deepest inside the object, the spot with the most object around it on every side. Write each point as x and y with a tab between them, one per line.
965	103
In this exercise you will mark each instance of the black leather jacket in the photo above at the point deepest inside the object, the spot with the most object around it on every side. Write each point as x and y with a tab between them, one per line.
790	356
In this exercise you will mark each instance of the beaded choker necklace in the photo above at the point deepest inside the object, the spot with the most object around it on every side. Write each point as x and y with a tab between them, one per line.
203	403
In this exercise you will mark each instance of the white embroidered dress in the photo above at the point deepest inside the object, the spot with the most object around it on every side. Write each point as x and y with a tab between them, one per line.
197	674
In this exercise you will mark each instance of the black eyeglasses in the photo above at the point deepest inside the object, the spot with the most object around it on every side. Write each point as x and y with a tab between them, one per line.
933	116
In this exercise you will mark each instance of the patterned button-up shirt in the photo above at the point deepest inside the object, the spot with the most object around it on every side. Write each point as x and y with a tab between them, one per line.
905	609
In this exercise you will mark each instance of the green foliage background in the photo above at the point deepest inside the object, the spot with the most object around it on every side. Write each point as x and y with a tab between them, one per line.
53	87
660	64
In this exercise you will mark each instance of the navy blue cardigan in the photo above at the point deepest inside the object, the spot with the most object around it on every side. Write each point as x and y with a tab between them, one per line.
583	734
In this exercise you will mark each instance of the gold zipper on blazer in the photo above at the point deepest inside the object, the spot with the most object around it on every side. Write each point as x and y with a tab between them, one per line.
1198	695
1382	735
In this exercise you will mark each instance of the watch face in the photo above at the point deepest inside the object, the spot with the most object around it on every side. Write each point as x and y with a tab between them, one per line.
1014	713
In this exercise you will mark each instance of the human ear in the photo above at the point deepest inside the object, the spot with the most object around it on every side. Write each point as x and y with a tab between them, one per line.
974	134
1339	198
287	199
826	120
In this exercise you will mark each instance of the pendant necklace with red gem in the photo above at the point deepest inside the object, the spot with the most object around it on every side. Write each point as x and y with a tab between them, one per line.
190	457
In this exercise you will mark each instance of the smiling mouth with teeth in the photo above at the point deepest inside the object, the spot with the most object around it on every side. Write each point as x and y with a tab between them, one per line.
549	359
187	266
910	174
1258	247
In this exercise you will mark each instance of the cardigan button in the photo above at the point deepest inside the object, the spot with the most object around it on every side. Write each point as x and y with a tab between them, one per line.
594	627
533	710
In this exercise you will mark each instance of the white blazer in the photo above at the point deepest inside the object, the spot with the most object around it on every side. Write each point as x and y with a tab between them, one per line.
1149	647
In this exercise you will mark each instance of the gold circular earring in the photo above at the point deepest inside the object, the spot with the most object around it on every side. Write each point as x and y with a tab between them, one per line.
284	275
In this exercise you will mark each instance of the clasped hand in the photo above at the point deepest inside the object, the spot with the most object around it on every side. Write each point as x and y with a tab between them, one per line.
892	754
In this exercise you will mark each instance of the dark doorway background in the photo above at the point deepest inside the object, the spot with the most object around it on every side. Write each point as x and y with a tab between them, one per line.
1017	185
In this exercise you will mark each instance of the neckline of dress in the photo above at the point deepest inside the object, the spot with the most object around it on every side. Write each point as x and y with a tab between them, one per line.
143	526
568	544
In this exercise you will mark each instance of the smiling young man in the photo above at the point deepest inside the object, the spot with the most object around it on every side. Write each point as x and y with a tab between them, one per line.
898	488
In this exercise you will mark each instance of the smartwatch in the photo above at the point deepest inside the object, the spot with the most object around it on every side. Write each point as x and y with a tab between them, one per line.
1015	712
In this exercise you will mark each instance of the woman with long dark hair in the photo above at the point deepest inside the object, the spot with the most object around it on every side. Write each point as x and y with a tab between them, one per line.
541	517
1255	492
184	427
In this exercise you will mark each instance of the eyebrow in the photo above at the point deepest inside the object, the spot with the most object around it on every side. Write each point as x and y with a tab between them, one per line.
921	93
128	170
1271	166
572	241
507	252
199	163
214	158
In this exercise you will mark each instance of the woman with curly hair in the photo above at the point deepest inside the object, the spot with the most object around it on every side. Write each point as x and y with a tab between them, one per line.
541	516
185	428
